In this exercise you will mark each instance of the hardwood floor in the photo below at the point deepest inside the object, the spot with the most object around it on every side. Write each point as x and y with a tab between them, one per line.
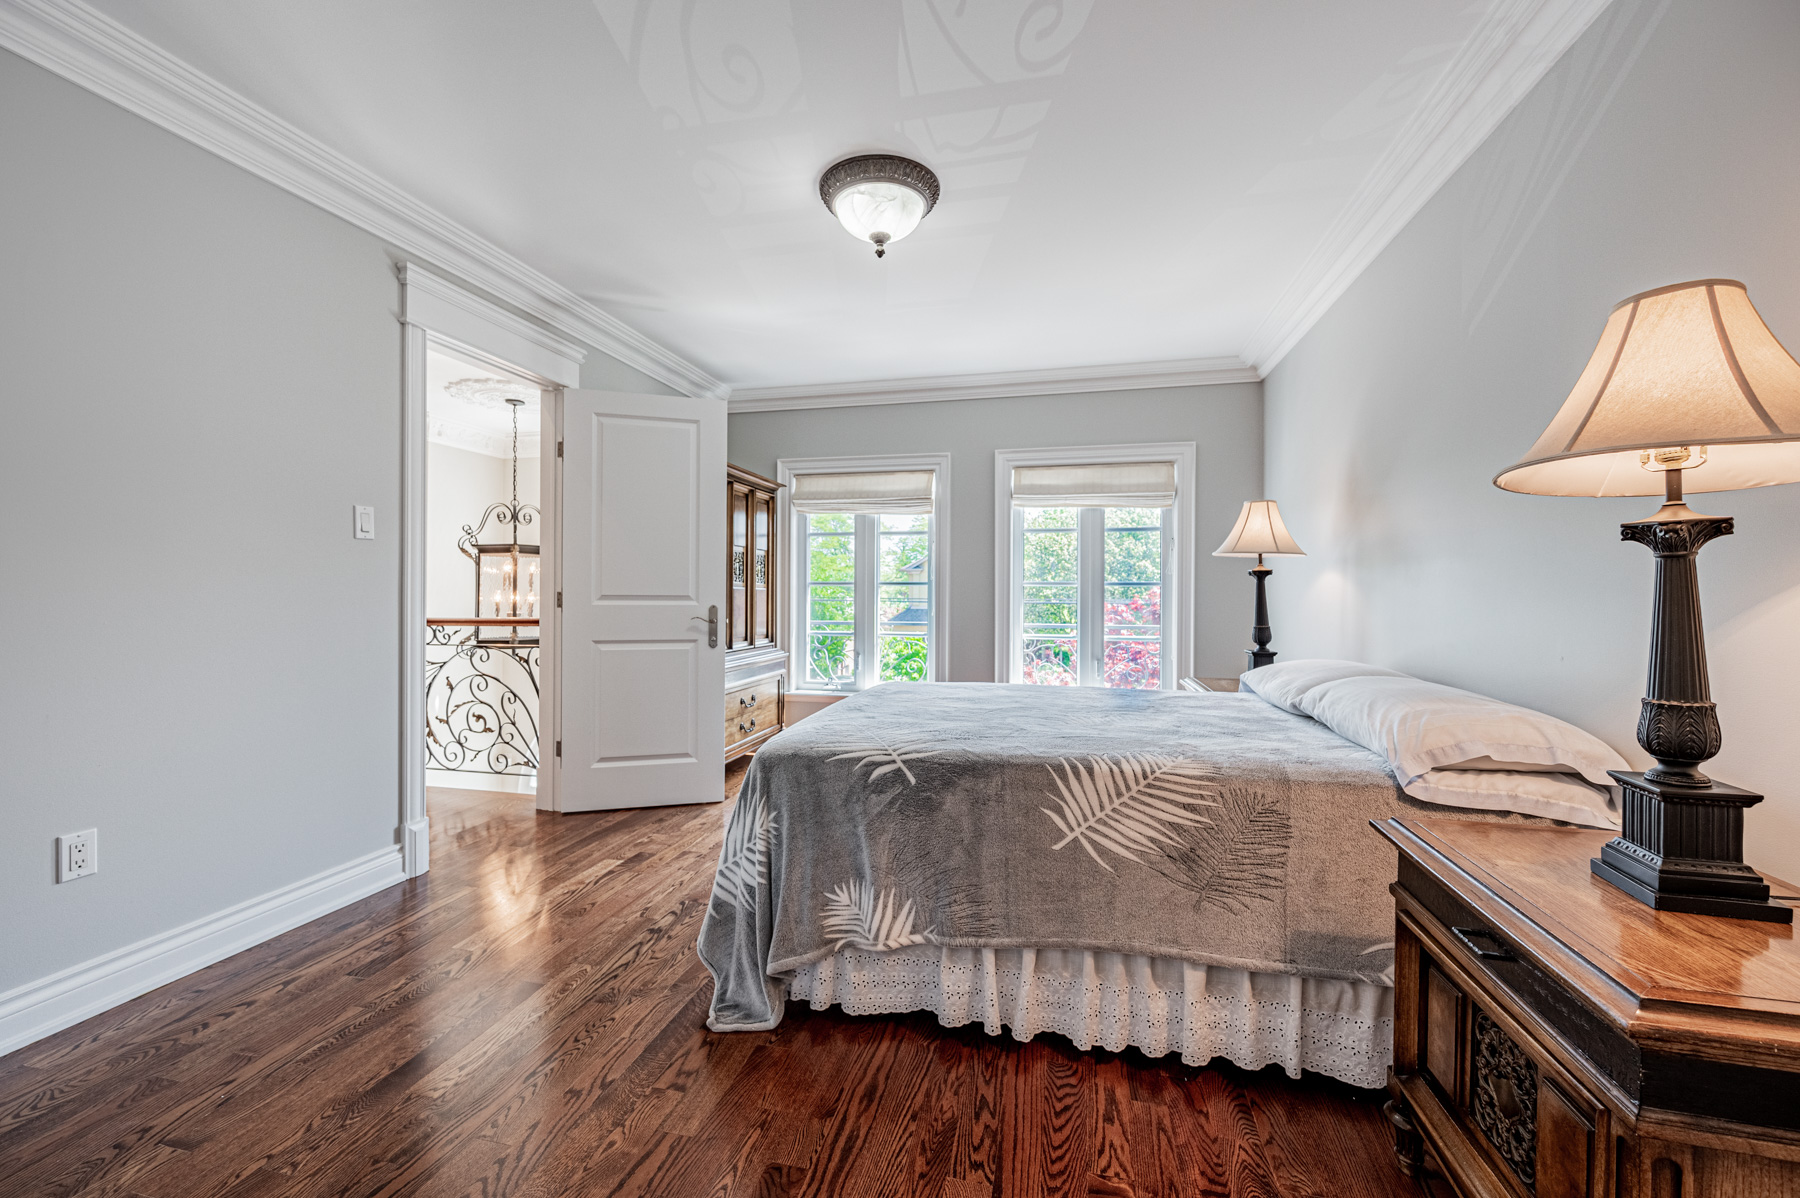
528	1019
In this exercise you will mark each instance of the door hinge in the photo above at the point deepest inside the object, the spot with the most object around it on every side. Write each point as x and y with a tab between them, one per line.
559	449
559	598
559	748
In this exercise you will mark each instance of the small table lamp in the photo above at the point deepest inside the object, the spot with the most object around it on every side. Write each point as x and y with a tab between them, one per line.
1259	532
1686	380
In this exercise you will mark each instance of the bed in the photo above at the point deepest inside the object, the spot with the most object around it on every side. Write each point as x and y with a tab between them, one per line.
1181	872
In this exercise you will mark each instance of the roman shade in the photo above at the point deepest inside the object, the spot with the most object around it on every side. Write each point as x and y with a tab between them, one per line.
895	491
1102	484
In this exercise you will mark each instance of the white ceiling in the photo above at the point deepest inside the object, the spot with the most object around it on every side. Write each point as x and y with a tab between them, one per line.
1124	181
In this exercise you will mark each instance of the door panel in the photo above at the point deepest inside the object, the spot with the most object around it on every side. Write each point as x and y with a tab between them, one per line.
642	536
633	685
645	502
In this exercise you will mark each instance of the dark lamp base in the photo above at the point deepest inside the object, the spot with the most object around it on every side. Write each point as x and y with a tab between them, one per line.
1260	657
1681	848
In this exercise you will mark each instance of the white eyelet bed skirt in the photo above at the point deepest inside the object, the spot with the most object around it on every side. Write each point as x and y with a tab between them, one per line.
1339	1028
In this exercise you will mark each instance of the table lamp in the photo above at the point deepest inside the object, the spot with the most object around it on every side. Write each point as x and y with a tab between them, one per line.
1688	391
1259	532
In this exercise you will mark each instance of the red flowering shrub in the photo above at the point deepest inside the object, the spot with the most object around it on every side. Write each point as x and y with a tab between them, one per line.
1130	662
1126	661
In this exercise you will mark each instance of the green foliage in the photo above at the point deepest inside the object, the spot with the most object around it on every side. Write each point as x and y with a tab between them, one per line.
831	558
903	659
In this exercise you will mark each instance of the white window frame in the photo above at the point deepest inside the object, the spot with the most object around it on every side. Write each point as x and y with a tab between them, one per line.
793	564
1178	539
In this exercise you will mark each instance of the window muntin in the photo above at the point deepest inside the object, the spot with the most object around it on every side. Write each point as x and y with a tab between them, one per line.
870	600
1091	583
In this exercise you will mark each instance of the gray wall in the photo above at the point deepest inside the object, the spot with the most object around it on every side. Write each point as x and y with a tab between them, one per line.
1661	148
201	375
1225	422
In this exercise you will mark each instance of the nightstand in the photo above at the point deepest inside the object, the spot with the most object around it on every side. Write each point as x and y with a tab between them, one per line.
1555	1038
1208	684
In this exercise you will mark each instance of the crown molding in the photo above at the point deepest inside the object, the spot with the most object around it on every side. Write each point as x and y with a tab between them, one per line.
90	49
1072	380
479	440
1513	47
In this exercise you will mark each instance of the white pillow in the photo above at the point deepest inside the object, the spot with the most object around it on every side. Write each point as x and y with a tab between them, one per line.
1553	796
1488	763
1285	683
1420	726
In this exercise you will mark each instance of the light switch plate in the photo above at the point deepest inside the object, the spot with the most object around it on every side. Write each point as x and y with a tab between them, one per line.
77	855
365	523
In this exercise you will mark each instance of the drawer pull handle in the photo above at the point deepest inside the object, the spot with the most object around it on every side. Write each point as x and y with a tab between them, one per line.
749	702
1469	936
750	728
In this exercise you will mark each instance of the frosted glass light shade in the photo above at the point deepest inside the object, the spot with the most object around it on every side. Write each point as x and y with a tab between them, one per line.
879	213
1686	366
879	198
1259	532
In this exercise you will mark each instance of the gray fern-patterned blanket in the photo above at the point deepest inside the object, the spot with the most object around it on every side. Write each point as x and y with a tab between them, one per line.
1208	827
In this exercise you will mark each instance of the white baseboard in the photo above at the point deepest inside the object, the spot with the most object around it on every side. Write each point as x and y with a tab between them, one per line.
36	1009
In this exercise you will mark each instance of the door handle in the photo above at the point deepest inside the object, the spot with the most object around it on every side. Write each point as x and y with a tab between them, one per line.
712	625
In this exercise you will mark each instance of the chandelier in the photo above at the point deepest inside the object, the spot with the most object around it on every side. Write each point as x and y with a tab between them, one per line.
506	572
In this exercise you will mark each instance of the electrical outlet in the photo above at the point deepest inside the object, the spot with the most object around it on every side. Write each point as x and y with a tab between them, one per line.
77	855
365	523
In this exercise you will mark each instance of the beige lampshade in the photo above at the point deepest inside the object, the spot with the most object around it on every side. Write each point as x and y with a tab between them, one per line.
1259	532
1691	365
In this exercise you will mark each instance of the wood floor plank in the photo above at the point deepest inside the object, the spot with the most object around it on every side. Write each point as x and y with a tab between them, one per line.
1065	1119
528	1021
1112	1125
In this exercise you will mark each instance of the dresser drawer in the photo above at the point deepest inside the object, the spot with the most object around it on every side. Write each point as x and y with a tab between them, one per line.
752	710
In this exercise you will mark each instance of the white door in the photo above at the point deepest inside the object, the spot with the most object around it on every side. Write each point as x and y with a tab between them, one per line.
643	579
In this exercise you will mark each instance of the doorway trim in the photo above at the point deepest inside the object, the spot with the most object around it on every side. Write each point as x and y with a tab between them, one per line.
437	311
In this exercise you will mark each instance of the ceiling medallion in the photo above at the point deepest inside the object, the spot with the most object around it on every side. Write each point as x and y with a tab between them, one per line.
491	393
879	198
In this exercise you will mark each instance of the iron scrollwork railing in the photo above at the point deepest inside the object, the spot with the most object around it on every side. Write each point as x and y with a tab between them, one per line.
481	697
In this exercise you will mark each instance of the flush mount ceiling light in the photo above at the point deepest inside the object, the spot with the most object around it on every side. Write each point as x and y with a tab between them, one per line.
879	198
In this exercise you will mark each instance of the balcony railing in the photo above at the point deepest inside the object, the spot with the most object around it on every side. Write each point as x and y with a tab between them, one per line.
481	696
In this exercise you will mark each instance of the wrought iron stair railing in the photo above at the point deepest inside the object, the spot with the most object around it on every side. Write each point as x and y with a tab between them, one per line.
481	696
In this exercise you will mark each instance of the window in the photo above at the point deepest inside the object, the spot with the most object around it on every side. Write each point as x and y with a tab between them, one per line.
1092	566
1092	581
869	593
868	599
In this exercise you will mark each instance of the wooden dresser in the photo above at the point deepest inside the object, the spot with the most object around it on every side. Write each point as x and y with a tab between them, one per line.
755	665
1555	1038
